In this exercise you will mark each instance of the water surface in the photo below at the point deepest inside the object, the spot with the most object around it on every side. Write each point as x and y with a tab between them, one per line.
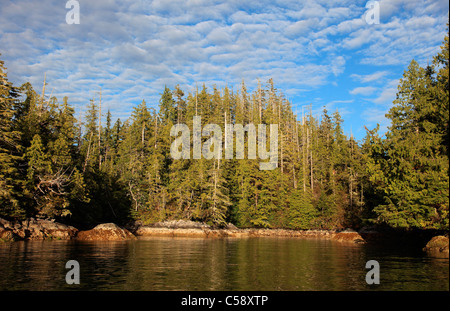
217	264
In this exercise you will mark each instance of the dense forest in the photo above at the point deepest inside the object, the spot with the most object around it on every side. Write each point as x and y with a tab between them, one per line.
90	170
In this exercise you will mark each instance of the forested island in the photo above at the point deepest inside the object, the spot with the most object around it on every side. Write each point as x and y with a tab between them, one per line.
85	171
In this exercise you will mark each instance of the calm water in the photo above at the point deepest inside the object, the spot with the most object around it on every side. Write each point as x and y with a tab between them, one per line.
216	264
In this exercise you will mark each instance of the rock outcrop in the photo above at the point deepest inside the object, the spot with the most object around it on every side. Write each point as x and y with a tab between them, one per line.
105	232
348	236
32	229
180	224
6	234
35	229
438	246
192	229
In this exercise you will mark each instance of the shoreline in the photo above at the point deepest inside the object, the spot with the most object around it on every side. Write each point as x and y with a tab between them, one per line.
342	236
39	229
42	230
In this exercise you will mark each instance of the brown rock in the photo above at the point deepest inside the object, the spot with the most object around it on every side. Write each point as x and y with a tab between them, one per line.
37	229
170	230
6	235
230	226
180	224
46	229
147	231
5	224
105	232
348	236
438	246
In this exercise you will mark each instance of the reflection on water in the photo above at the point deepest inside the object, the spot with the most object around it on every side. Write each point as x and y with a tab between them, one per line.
216	264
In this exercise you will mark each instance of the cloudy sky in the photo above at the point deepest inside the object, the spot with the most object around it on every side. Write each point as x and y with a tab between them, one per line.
318	52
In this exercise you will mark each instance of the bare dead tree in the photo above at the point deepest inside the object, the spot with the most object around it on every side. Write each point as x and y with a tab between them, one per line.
55	183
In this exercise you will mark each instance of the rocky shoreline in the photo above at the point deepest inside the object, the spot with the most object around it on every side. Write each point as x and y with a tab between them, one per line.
35	229
151	231
40	229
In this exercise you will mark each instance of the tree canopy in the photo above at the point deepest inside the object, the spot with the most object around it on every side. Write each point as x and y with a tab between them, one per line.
53	165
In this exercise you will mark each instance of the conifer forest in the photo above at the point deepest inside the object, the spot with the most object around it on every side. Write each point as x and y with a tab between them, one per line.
96	168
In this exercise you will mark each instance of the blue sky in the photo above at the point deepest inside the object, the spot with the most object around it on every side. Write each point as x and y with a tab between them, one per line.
317	52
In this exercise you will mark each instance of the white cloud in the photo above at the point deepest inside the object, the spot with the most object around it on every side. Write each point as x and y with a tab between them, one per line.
388	94
219	36
399	40
360	37
363	90
337	65
301	27
133	48
373	77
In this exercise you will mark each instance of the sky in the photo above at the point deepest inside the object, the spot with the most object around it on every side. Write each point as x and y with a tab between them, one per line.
324	53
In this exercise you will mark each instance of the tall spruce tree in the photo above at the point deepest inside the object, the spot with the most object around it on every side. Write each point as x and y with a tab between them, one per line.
413	172
10	149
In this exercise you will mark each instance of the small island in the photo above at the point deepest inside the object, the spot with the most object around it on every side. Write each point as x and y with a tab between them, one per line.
68	178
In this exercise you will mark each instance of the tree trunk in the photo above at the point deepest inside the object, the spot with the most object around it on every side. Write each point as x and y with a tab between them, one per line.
100	131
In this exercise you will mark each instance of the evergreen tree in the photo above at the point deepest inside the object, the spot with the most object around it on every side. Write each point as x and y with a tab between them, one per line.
10	149
302	213
413	171
217	197
89	147
52	165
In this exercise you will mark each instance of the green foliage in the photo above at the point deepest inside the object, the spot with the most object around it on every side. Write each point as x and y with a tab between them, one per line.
409	169
302	212
10	148
53	165
87	174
